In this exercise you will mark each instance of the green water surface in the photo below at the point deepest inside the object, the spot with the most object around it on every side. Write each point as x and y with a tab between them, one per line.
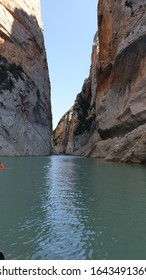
72	208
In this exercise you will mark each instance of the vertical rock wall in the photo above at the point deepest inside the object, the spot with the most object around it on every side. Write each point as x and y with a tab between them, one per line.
117	85
25	108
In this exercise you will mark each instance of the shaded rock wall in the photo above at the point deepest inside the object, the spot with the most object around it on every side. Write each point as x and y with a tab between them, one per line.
25	108
119	82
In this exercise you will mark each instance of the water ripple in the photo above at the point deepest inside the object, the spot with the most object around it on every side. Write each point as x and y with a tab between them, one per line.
72	208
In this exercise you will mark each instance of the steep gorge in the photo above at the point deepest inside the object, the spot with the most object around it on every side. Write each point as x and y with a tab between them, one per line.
108	118
25	108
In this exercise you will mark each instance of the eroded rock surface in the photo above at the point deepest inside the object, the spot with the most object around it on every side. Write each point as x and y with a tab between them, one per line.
25	109
117	85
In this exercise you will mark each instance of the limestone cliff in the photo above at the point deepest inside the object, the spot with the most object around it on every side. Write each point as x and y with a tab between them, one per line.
118	86
25	109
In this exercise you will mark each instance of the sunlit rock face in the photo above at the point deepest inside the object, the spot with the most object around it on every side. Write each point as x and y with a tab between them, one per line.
117	85
121	98
25	109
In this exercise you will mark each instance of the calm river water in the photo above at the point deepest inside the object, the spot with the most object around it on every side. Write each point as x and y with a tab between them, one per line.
72	208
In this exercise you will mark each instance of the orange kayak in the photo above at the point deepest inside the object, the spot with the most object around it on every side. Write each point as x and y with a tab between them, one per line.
2	166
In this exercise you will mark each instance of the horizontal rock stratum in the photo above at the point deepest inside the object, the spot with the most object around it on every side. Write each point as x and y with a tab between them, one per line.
108	118
25	109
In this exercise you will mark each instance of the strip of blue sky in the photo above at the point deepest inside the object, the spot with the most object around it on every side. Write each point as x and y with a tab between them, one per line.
69	28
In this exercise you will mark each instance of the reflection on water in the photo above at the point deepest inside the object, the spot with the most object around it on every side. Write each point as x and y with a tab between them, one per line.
72	208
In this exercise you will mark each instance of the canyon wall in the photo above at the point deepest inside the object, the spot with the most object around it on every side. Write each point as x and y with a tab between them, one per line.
108	118
25	108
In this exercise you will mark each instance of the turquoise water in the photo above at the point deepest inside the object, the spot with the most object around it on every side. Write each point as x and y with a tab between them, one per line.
72	208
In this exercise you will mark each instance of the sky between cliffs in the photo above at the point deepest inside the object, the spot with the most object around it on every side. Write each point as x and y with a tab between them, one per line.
69	28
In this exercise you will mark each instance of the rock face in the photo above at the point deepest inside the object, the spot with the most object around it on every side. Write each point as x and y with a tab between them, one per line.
117	87
25	109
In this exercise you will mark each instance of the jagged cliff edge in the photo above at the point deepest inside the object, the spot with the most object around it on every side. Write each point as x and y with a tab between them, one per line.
108	118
